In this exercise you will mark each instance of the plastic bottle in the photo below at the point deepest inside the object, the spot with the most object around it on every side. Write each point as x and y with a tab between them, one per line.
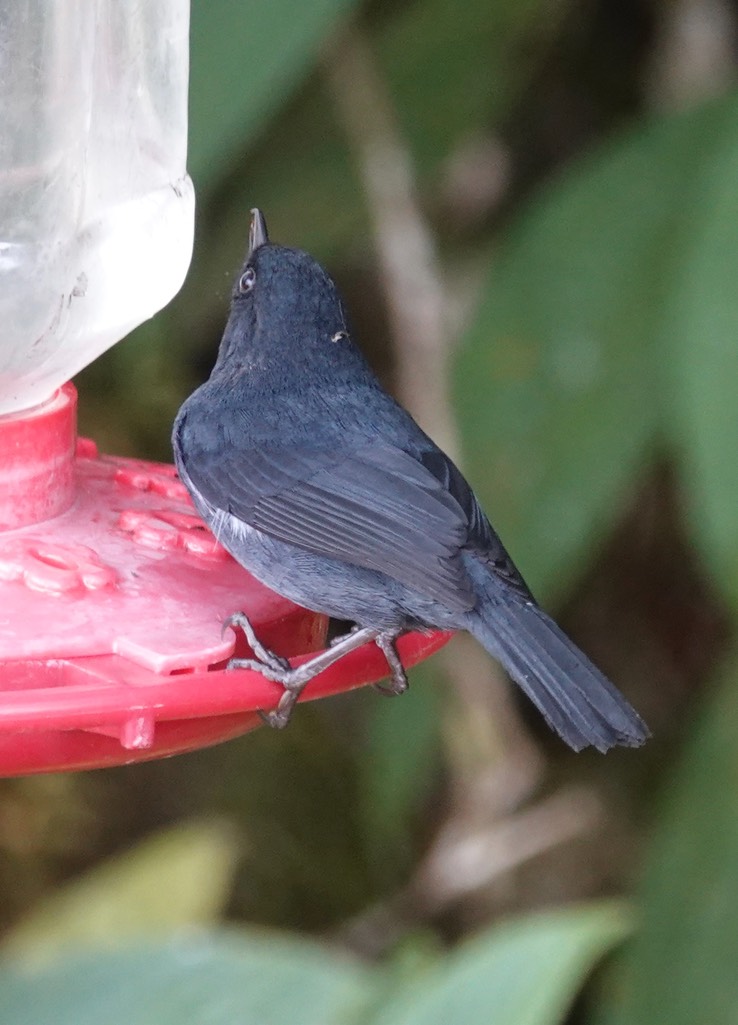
96	208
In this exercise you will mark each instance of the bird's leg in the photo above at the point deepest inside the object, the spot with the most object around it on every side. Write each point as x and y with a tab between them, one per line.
295	680
386	642
269	659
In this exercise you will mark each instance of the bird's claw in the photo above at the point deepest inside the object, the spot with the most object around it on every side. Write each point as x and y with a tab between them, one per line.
281	715
393	688
398	681
265	657
277	671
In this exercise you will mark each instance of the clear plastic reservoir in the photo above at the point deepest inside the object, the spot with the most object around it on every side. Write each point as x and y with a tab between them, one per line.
96	209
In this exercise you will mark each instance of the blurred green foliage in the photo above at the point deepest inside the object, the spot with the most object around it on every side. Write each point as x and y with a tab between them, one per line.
218	975
601	346
681	967
610	316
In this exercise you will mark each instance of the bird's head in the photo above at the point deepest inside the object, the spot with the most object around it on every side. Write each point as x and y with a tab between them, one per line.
284	306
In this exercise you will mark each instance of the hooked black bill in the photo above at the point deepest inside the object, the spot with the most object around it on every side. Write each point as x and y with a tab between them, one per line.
258	234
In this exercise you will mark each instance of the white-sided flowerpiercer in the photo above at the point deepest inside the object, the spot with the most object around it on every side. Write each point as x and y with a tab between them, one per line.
328	492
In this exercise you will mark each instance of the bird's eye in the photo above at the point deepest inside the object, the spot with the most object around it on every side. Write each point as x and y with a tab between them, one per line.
246	281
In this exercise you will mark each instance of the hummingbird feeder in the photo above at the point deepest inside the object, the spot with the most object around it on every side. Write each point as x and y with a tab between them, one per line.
112	590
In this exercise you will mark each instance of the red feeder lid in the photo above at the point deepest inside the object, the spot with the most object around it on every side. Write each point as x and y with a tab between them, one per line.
111	610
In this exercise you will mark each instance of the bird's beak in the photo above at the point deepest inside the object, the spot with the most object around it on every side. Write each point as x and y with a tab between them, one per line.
258	235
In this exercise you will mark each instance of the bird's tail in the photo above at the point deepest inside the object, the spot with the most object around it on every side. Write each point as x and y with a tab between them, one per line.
577	701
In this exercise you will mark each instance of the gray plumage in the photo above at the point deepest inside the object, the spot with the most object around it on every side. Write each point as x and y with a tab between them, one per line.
326	489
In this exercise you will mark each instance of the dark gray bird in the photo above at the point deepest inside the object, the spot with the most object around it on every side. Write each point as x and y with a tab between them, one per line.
328	492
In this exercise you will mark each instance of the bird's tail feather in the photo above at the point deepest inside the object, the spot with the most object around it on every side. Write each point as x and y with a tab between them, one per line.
577	701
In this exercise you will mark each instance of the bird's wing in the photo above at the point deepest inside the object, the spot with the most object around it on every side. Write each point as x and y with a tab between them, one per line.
374	506
481	537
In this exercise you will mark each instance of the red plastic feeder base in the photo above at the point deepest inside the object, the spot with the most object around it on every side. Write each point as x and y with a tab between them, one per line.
112	596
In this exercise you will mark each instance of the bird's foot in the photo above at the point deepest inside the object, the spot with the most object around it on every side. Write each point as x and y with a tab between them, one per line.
266	659
293	680
270	665
398	682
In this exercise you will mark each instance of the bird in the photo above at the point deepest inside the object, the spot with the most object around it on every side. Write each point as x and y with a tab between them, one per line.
328	492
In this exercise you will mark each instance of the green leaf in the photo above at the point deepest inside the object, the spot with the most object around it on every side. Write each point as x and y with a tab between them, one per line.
179	877
221	978
564	382
681	967
246	57
700	346
454	70
525	972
